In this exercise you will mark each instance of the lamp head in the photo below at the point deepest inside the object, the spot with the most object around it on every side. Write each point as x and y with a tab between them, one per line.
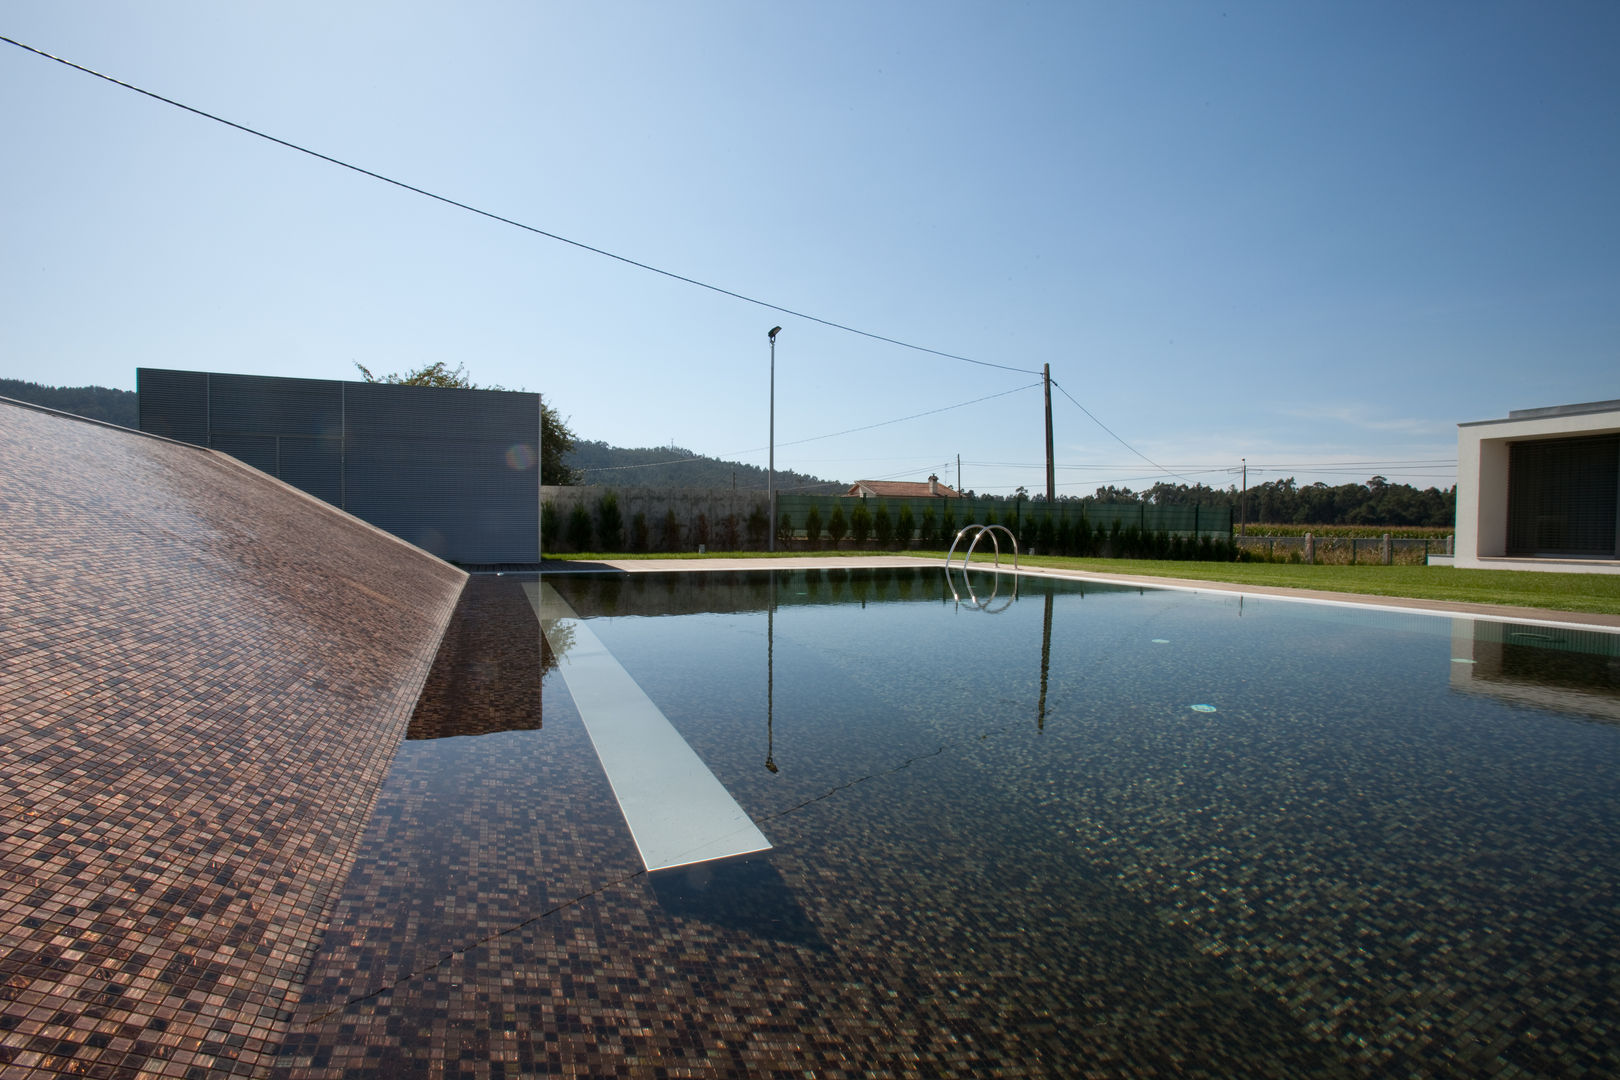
774	331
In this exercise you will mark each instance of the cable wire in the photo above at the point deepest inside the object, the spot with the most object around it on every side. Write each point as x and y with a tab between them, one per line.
1110	431
509	221
817	438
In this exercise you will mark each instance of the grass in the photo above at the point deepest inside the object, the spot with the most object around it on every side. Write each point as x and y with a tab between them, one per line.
1596	593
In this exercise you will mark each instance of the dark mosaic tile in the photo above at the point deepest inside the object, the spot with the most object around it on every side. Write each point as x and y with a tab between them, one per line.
1063	871
203	676
498	922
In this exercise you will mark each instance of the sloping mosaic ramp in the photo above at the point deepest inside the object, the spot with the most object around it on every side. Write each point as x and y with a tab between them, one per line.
204	675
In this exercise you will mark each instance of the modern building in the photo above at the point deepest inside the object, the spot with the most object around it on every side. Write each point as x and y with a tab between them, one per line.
1540	490
455	472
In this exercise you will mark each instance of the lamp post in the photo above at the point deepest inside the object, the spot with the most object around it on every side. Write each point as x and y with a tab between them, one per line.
770	475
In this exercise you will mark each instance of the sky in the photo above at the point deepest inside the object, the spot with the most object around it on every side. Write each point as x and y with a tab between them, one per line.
1313	237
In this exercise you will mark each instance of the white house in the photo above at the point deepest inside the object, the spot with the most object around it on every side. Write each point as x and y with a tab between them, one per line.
1541	489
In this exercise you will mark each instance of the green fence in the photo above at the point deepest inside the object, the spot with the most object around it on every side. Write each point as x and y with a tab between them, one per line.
938	519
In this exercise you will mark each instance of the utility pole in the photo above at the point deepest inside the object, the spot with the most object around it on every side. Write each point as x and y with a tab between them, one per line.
1243	502
959	474
770	475
1051	469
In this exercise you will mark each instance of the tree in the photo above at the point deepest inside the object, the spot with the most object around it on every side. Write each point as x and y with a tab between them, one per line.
812	526
860	523
837	526
556	439
906	528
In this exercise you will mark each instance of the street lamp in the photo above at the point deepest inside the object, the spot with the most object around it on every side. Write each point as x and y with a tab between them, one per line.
770	476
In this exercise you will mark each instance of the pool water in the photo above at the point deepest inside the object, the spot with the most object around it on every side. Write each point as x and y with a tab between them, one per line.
1090	831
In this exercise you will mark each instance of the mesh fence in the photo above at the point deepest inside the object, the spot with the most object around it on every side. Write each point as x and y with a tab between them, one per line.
936	519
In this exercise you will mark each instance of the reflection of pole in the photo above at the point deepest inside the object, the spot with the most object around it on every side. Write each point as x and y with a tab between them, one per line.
1046	660
770	673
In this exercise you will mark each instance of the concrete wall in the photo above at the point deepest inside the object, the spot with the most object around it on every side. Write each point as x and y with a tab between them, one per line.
453	471
1482	481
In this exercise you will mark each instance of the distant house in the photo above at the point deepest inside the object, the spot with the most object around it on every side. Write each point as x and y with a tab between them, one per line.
1540	490
901	489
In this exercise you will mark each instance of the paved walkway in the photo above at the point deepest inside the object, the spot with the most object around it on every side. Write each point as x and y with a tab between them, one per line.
1491	611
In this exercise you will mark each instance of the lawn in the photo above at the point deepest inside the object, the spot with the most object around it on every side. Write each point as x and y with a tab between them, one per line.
1598	593
1520	588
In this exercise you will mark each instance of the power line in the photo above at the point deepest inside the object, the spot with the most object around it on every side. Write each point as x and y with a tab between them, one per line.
509	221
913	416
1110	431
814	438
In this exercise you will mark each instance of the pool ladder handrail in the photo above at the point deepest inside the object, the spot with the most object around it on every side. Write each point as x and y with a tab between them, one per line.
979	531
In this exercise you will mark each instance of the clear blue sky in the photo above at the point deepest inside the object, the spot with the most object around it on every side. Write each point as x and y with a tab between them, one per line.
1293	232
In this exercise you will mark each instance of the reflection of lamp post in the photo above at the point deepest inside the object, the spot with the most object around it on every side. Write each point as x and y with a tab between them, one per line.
770	476
1046	658
770	672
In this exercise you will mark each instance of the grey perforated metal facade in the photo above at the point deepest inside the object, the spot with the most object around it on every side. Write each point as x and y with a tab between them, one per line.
455	472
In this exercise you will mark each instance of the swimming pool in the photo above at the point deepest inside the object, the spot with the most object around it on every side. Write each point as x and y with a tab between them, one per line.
1093	831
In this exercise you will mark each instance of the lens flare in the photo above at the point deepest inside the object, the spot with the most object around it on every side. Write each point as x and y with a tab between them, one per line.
520	456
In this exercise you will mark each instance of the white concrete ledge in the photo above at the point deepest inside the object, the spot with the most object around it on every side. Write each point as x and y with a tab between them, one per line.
678	812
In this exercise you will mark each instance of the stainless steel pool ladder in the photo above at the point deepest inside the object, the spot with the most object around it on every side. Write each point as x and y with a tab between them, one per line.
979	531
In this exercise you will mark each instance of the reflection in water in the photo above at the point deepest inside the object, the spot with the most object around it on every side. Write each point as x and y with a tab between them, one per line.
770	677
488	671
1046	661
1574	671
726	591
1346	871
973	596
746	893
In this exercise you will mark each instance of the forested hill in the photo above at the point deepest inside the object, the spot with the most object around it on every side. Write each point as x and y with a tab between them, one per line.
602	465
96	402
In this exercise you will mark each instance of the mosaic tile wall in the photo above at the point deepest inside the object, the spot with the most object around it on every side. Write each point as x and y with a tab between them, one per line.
203	678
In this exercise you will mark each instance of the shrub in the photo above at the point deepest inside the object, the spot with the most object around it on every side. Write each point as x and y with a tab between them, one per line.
1063	536
700	530
609	522
907	527
784	528
729	534
929	531
860	523
579	528
837	527
550	524
1046	534
812	526
883	526
947	523
672	531
638	532
758	526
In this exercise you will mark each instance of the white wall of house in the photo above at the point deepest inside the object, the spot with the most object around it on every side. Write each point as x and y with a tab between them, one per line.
1482	481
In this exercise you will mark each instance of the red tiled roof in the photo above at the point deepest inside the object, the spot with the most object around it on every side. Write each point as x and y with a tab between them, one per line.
900	489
